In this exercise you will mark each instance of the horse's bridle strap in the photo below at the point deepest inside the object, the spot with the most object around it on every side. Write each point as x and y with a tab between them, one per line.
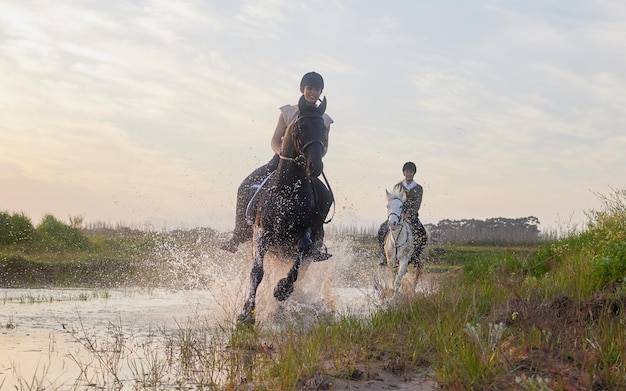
402	221
300	159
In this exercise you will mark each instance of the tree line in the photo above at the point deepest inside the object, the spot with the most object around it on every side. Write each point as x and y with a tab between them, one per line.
492	231
17	228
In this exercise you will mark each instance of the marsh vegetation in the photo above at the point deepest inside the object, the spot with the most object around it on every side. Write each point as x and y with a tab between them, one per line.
547	316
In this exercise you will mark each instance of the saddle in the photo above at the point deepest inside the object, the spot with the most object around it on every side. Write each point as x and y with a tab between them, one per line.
318	188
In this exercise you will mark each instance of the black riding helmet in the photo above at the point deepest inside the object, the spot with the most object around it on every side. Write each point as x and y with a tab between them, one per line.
409	166
312	79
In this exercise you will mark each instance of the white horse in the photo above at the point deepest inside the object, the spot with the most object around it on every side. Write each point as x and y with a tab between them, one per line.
399	240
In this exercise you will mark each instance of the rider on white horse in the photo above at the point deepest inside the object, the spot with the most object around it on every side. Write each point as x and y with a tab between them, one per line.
410	211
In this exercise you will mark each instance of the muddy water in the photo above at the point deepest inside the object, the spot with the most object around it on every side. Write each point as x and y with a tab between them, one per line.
44	332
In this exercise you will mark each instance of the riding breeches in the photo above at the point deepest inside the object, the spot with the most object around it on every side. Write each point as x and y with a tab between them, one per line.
243	230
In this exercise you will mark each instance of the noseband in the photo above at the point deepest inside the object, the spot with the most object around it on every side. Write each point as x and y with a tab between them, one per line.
394	214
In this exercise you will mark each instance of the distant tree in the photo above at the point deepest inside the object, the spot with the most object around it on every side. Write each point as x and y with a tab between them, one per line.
493	231
77	221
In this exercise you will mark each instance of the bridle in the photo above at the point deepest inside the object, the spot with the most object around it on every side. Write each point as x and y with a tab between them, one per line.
296	128
391	231
300	159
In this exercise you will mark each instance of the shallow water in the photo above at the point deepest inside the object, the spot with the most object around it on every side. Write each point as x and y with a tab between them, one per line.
43	332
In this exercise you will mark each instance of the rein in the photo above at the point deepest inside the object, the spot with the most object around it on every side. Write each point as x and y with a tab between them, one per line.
300	160
395	238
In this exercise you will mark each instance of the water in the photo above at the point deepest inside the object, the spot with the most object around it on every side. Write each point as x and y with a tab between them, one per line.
46	334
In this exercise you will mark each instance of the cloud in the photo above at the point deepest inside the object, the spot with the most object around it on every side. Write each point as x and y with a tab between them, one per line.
164	107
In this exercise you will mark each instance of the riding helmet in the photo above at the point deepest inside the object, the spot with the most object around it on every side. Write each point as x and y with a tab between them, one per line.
409	166
312	79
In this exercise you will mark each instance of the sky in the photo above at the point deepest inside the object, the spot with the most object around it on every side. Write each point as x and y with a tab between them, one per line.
150	113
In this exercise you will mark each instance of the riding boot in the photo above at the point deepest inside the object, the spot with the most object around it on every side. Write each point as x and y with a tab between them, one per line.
382	233
323	201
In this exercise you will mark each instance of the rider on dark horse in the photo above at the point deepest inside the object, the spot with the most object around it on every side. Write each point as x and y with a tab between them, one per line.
410	210
311	87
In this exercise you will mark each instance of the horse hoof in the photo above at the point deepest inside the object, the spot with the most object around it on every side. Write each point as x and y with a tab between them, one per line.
283	290
319	257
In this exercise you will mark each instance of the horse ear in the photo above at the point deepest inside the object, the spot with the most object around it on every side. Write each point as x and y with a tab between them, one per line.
388	193
322	107
302	104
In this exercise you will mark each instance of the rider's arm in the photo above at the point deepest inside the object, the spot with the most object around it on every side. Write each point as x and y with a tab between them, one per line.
418	200
279	132
412	206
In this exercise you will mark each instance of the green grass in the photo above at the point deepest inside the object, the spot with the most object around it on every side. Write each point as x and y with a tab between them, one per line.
549	317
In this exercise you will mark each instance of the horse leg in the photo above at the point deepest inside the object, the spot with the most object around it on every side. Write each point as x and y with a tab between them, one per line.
389	250
284	288
404	263
256	276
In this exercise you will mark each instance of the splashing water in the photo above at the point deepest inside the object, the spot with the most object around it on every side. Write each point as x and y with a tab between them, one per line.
39	328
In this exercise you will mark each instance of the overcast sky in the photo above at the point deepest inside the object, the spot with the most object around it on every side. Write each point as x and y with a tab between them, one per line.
152	112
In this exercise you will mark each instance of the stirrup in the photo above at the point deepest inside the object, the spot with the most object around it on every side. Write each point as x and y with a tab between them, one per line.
318	255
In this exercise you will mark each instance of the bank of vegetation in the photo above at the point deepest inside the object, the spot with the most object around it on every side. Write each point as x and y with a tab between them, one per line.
542	316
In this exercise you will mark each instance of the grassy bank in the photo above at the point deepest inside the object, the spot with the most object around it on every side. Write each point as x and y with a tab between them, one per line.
106	258
543	318
550	318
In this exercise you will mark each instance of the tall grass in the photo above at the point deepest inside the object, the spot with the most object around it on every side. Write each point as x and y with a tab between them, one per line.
548	318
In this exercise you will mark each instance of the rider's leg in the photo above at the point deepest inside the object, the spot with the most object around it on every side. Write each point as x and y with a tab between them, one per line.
323	201
243	230
420	239
382	233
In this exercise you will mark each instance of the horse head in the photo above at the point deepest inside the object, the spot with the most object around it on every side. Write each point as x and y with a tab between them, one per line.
306	140
394	208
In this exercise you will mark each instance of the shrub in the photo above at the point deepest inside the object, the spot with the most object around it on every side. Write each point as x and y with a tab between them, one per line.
611	267
607	238
56	235
5	228
15	228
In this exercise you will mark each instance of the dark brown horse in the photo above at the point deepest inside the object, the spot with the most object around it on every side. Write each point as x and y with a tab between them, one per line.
292	205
